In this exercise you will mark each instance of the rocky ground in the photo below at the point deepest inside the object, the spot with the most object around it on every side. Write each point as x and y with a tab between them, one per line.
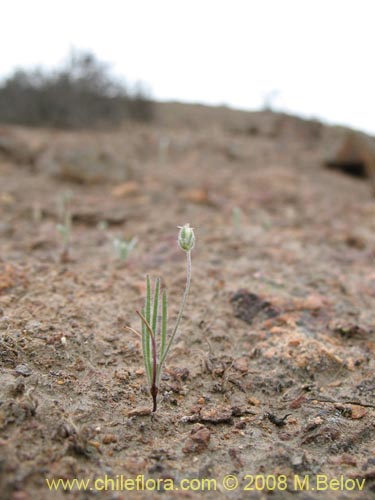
272	373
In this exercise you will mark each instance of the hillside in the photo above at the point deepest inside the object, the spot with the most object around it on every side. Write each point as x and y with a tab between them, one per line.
272	371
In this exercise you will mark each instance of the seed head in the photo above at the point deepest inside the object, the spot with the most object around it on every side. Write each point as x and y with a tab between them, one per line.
186	238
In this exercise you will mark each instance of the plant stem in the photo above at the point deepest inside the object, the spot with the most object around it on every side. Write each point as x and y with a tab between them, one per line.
183	302
154	388
154	393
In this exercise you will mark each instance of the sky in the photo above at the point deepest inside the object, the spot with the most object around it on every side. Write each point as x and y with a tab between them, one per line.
313	58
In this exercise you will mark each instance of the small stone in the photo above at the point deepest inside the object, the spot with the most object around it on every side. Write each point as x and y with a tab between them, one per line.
253	401
139	412
198	440
109	438
23	370
241	364
95	444
296	460
126	189
358	412
297	403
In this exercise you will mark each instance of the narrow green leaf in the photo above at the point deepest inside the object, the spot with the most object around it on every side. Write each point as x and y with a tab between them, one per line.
147	315
148	300
156	306
146	357
164	323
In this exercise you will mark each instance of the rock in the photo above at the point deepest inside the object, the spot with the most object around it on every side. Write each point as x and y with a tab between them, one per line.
241	364
109	438
125	189
247	306
198	440
297	403
354	154
139	412
253	401
358	412
23	370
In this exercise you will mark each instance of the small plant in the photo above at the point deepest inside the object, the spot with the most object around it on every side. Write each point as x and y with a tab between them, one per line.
123	248
155	341
237	219
102	225
163	149
65	226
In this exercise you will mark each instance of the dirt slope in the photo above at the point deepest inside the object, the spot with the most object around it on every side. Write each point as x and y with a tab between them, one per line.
280	319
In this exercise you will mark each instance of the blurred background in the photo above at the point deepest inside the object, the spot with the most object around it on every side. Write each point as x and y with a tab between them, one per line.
313	59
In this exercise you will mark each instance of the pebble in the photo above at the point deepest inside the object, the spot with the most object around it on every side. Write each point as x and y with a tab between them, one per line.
23	370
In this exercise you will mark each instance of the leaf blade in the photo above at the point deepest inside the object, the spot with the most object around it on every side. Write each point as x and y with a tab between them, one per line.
155	306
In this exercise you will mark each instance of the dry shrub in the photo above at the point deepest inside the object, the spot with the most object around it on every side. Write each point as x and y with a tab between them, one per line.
81	93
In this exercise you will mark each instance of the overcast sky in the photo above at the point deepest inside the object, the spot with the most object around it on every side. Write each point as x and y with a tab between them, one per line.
317	54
